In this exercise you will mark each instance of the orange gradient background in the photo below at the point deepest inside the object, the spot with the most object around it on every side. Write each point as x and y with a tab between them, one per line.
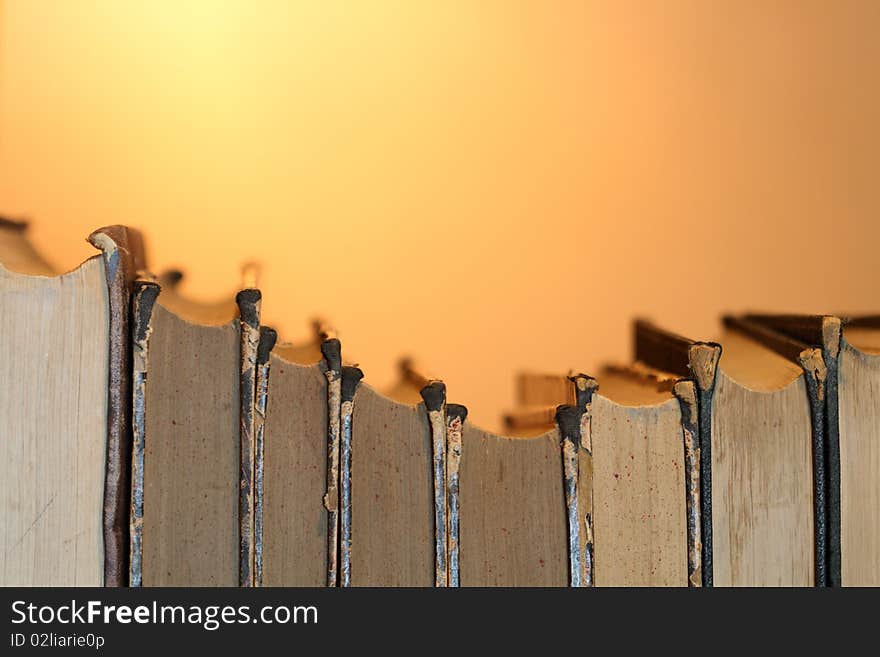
490	185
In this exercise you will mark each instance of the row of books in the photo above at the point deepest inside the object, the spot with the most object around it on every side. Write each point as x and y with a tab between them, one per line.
150	439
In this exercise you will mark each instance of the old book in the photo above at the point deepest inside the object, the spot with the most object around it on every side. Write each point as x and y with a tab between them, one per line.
851	352
760	436
518	505
417	512
512	518
65	414
641	481
639	439
194	466
393	488
294	517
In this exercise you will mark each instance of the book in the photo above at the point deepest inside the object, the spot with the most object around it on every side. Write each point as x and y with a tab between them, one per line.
396	490
851	352
155	439
512	519
192	522
638	443
760	438
295	537
66	412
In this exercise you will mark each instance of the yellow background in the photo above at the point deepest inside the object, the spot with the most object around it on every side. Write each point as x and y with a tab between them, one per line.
489	185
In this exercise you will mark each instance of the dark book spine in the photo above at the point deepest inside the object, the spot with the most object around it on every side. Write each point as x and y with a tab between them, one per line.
268	336
332	351
143	300
122	252
573	422
825	332
812	361
351	377
249	324
686	393
456	414
434	395
697	361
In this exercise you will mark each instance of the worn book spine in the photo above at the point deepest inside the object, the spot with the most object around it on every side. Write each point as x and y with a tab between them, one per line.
812	362
824	332
249	308
569	420
583	388
268	336
143	299
122	250
434	395
456	414
685	391
831	338
351	377
698	361
332	351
